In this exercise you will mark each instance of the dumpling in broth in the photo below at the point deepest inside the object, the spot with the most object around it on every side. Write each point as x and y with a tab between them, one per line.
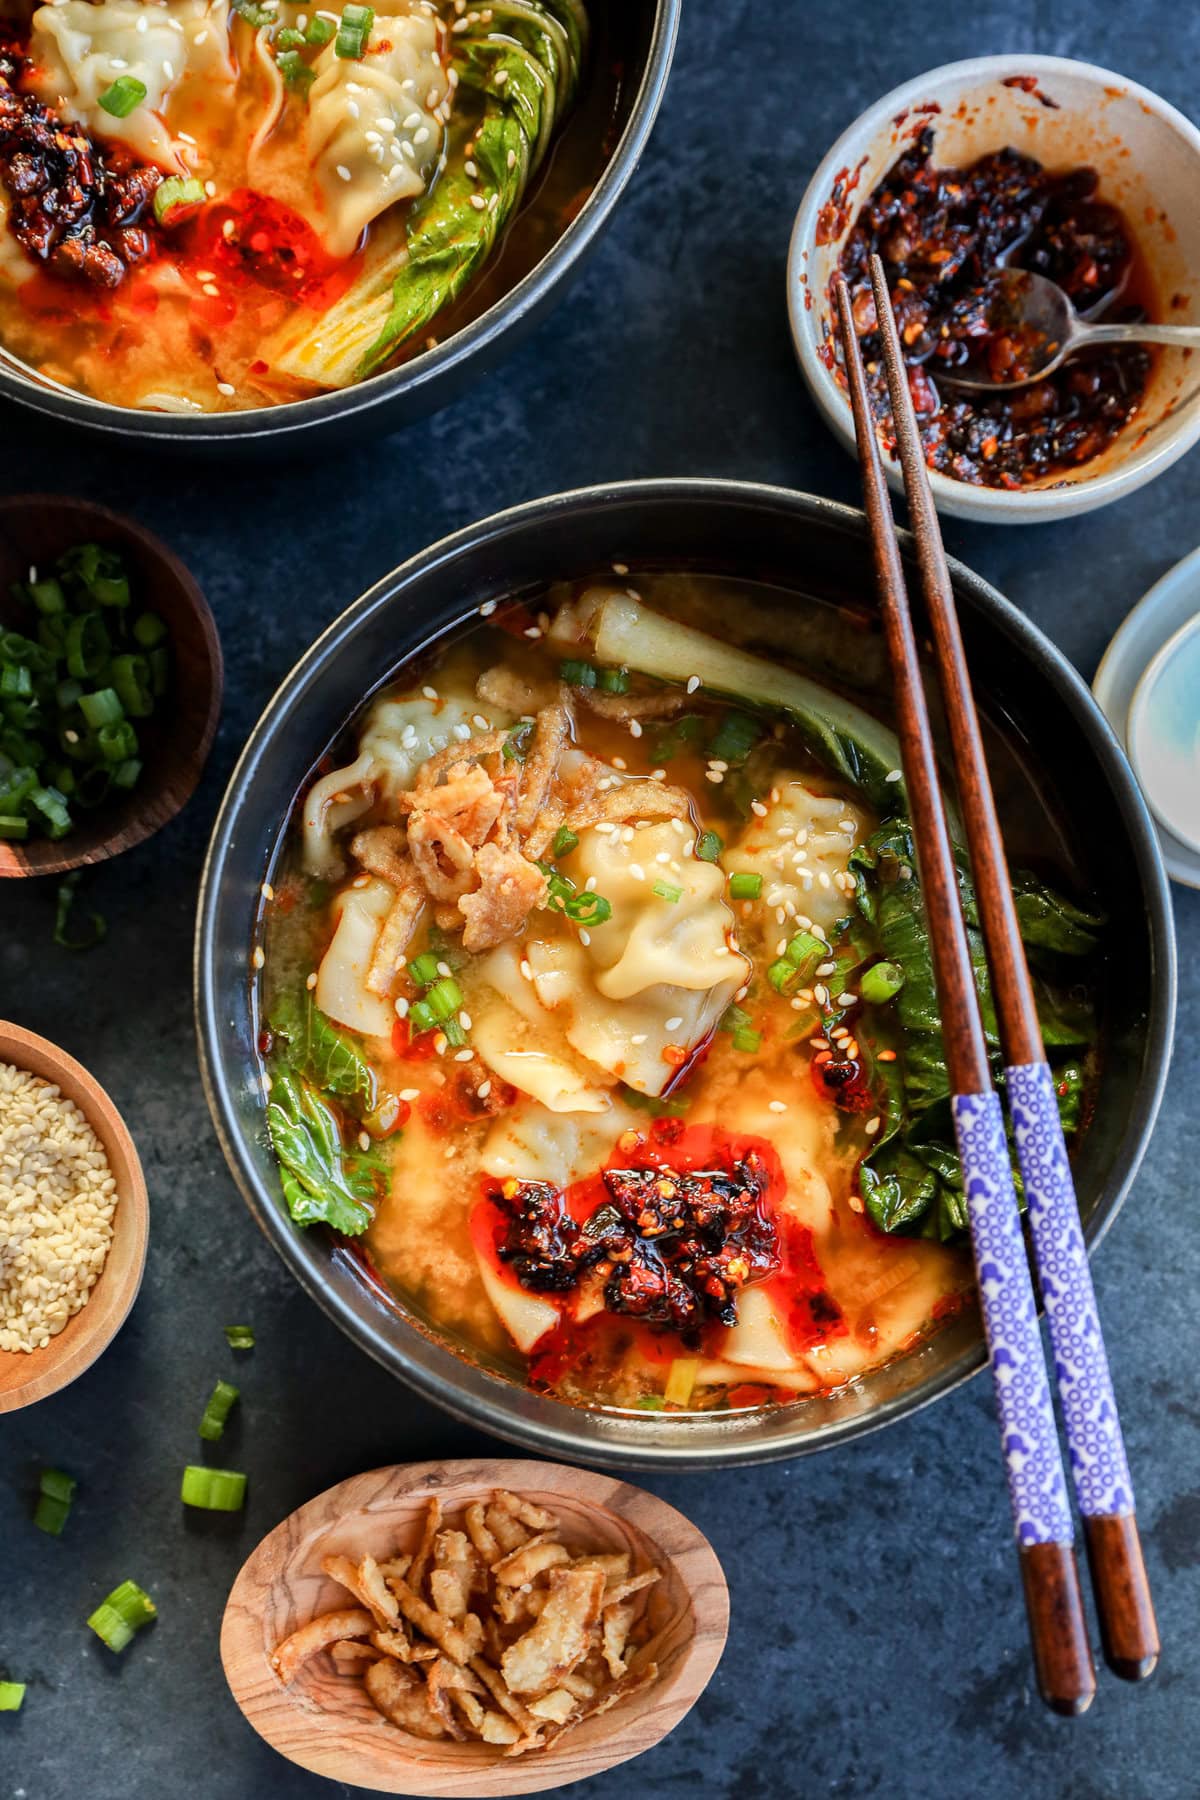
800	846
79	49
375	127
655	976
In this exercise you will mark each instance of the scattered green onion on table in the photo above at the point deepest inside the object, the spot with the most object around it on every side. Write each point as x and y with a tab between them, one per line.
213	1490
216	1413
118	1619
56	1492
71	689
12	1693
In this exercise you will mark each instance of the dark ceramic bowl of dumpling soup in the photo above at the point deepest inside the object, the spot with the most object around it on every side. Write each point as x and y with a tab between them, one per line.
253	220
563	987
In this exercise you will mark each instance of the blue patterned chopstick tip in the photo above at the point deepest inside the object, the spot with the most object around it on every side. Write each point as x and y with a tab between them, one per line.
1098	1462
1036	1483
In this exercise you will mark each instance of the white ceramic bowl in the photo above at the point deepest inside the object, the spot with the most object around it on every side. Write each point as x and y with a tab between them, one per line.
1164	734
1148	158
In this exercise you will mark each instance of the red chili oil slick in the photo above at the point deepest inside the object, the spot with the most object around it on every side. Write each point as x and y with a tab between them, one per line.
573	1347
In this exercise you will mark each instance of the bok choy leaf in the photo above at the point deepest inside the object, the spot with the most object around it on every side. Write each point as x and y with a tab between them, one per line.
911	1178
322	1184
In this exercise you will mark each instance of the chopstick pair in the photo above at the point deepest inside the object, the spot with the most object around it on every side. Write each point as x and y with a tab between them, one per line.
1033	1462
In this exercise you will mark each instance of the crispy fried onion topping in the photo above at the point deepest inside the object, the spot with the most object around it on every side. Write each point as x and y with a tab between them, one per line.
479	818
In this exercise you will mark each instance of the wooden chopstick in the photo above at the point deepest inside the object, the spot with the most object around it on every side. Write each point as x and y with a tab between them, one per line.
1033	1465
1103	1488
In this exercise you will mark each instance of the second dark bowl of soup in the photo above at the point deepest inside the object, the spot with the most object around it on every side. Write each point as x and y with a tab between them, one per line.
311	235
559	959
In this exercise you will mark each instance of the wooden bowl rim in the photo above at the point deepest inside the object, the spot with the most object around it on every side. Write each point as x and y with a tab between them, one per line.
90	1331
399	1764
51	856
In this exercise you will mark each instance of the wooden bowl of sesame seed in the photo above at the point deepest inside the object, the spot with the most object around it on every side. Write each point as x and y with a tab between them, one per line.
35	530
66	1291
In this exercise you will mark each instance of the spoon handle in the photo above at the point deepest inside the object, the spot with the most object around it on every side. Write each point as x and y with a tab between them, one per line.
1179	335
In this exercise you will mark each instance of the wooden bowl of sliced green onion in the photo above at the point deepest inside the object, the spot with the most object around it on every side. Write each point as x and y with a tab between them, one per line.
110	684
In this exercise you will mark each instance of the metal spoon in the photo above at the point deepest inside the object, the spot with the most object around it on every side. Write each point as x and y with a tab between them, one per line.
1035	310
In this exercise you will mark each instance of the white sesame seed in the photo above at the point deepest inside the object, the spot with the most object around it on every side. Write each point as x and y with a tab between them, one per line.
430	693
673	1024
777	1106
259	957
533	631
484	1089
310	980
487	609
408	1095
364	1141
847	825
635	729
464	1020
401	1006
585	938
267	891
344	172
478	202
894	775
463	1055
443	968
872	1126
715	776
639	1037
526	971
226	387
637	871
693	682
756	806
660	775
826	968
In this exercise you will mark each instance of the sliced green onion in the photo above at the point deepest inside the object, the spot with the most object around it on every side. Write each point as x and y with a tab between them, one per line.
87	645
13	828
126	93
445	998
650	1403
216	1412
117	742
54	1501
747	1041
805	951
708	846
127	773
255	15
239	1337
733	1019
420	1018
290	39
667	890
781	974
516	745
587	908
577	674
101	708
11	1695
117	1619
735	737
565	840
318	30
882	981
214	1490
16	681
66	899
614	681
175	200
424	969
53	807
745	887
48	596
456	1037
354	31
148	630
297	73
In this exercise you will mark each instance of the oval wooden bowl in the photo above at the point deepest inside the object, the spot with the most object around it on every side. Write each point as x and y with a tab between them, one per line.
29	1375
35	529
324	1720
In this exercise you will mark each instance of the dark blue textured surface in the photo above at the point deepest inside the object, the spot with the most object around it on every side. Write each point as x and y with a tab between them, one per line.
878	1645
